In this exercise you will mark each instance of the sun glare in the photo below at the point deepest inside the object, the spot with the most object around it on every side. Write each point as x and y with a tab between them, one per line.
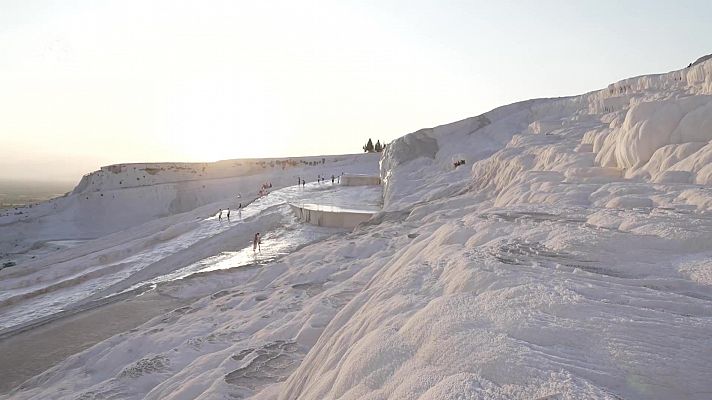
209	119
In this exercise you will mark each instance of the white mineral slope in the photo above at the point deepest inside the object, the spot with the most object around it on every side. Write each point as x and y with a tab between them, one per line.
232	342
573	261
114	262
568	258
120	197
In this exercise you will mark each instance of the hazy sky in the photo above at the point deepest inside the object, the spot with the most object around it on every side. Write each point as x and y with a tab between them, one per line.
85	83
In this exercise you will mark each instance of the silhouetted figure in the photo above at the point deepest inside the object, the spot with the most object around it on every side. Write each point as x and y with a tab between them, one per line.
256	243
220	214
304	182
228	214
332	179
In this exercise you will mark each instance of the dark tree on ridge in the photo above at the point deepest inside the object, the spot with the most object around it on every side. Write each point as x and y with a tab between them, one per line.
368	148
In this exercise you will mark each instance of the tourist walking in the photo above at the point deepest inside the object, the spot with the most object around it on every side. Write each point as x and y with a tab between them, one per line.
228	214
256	243
220	214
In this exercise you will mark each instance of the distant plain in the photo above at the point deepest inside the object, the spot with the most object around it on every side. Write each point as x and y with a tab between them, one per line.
20	193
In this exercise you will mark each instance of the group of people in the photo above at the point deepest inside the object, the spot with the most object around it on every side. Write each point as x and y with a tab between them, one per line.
264	190
257	239
320	179
239	213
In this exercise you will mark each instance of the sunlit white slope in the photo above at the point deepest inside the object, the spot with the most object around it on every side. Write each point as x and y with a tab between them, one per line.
654	127
123	196
568	258
571	260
